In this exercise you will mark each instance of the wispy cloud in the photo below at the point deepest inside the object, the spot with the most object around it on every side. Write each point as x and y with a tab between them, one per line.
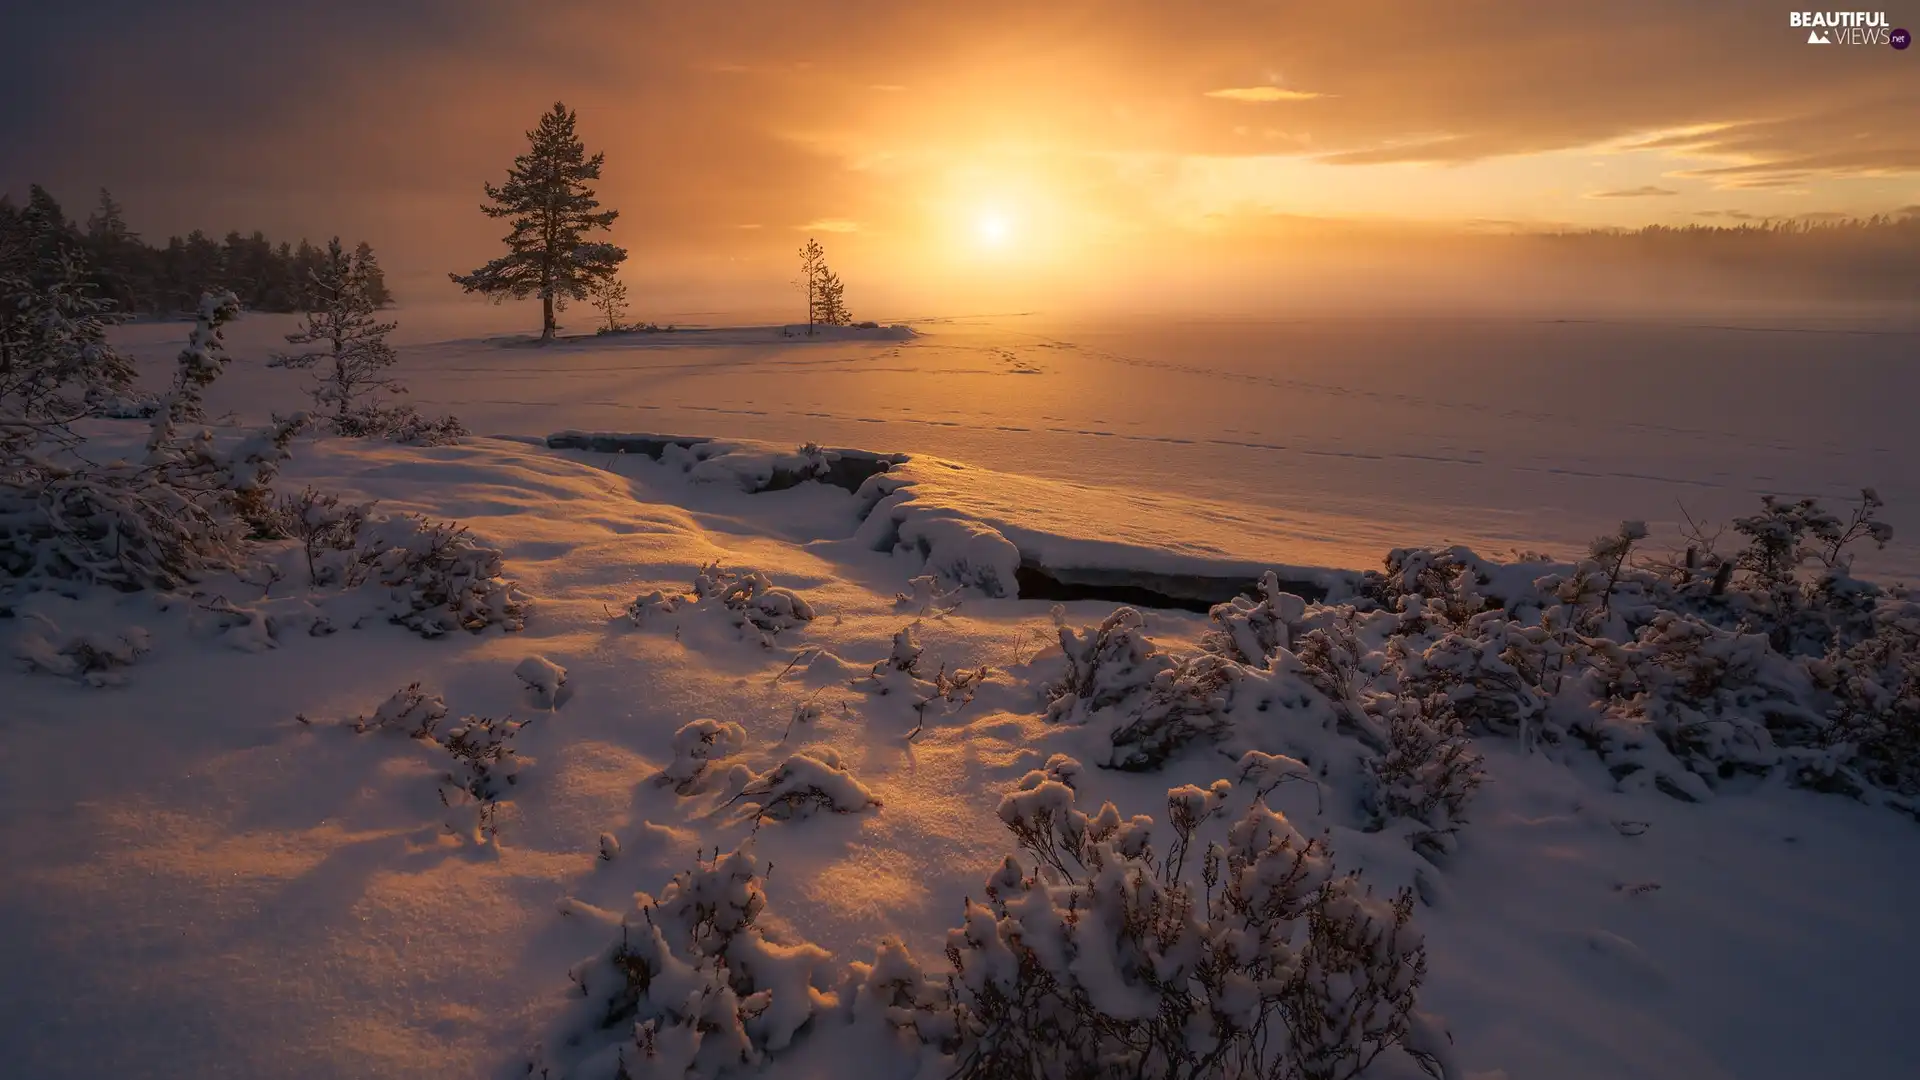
1263	93
1644	191
841	225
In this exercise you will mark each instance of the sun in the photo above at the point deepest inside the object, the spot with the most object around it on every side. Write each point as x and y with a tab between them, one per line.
992	229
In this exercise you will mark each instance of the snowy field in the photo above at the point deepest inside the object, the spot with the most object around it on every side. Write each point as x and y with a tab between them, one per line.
1304	441
212	874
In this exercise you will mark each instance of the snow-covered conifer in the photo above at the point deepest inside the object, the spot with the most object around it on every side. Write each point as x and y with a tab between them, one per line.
351	357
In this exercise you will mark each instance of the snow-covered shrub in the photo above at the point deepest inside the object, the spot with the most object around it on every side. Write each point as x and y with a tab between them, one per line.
1875	685
927	596
410	711
1106	667
696	746
899	673
1250	631
484	766
543	677
438	577
1430	769
808	782
758	607
1707	694
1490	671
696	986
93	658
1096	959
328	531
1184	703
651	606
401	423
1448	582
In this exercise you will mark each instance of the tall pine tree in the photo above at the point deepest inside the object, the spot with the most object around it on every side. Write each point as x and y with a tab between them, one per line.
552	208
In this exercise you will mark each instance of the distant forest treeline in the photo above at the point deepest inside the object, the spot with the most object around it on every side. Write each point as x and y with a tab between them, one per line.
141	278
1874	257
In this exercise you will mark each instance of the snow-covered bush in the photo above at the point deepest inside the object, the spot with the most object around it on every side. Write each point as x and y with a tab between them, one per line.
752	602
696	746
1250	631
696	986
437	576
1106	667
1095	958
1875	685
484	766
1430	769
411	711
94	658
808	782
328	531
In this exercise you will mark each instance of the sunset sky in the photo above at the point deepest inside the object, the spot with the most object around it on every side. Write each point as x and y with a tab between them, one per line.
954	136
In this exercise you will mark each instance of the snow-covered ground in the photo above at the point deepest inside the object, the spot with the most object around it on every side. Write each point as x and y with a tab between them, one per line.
210	873
1305	441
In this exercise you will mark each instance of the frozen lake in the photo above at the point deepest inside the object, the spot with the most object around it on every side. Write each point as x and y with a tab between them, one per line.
1302	440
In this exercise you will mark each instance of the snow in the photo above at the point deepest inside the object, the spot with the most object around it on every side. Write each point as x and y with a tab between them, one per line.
236	863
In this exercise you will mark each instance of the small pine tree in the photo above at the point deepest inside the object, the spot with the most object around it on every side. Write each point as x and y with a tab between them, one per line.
610	296
552	208
826	305
352	361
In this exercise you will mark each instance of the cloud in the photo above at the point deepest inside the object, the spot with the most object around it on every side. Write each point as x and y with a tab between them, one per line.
1262	93
1644	191
832	225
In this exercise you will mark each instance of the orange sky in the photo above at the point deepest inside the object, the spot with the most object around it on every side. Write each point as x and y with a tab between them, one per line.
995	138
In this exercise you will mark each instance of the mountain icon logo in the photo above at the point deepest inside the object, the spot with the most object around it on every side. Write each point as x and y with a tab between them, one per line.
1815	37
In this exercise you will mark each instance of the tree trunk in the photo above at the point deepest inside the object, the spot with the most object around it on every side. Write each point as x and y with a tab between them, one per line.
546	316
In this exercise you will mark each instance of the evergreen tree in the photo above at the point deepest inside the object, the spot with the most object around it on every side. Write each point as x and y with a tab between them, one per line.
53	324
351	361
826	304
610	296
552	208
116	253
375	279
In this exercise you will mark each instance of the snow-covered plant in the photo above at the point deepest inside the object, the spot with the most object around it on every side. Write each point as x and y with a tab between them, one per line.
806	783
1106	666
1446	582
899	673
350	362
1783	538
93	658
484	766
328	531
696	746
1875	685
411	711
651	606
1429	771
438	577
696	986
1184	703
927	596
204	358
1489	670
1250	631
756	605
1708	695
1097	959
53	344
